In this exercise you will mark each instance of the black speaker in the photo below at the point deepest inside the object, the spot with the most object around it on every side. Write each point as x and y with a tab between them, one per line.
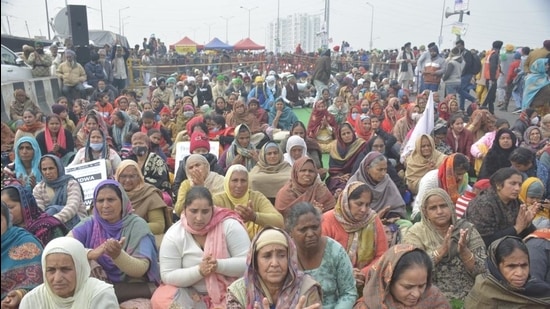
82	54
78	24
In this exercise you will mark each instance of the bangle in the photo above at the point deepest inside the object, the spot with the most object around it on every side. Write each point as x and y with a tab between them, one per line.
436	253
470	258
20	293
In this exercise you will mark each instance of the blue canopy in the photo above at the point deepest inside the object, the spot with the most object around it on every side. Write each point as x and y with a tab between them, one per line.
217	44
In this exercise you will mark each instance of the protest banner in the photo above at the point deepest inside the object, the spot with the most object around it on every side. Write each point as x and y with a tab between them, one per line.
89	175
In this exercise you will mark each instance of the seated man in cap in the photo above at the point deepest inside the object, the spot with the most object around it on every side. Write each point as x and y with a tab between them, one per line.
72	75
164	93
39	61
219	88
262	93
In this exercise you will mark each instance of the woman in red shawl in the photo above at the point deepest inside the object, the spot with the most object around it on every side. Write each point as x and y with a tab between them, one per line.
92	121
55	139
363	127
443	111
321	125
390	116
404	125
343	155
376	109
32	125
353	114
240	115
257	111
304	186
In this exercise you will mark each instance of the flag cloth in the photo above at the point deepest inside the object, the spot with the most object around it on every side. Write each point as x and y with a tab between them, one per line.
425	125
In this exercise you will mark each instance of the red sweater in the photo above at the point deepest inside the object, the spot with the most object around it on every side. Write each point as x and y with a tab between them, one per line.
465	141
462	203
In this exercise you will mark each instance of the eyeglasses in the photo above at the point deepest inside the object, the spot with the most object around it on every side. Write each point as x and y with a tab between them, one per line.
127	177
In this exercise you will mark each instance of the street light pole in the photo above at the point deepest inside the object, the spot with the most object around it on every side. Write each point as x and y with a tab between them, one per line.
124	23
371	24
120	19
440	41
8	21
209	27
47	19
249	10
101	9
227	18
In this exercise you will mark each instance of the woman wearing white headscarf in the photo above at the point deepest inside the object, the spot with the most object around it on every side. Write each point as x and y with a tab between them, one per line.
295	149
64	260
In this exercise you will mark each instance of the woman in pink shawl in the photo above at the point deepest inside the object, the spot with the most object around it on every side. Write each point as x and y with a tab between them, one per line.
201	256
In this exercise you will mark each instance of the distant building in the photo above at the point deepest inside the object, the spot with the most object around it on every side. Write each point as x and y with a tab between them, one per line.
295	29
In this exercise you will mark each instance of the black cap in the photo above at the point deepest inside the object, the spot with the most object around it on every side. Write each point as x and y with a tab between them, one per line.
431	44
497	44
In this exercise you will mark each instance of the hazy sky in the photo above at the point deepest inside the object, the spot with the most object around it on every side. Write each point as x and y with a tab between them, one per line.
522	23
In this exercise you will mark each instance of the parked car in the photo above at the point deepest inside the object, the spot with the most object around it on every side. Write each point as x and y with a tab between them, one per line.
13	67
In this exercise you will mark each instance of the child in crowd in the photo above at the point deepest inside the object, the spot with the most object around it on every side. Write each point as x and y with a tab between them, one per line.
167	123
464	200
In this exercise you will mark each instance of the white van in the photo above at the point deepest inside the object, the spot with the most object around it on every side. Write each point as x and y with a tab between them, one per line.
13	67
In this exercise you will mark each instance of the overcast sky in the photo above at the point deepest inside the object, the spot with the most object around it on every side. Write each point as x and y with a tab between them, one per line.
522	23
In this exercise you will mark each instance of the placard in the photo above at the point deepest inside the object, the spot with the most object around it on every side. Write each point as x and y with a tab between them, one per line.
89	175
182	150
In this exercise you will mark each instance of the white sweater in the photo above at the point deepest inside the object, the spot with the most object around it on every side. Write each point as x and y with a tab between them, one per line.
180	256
427	182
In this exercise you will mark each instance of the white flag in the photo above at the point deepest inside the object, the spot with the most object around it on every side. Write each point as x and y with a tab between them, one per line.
425	125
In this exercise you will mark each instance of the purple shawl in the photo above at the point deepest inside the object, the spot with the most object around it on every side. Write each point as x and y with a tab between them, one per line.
37	222
140	242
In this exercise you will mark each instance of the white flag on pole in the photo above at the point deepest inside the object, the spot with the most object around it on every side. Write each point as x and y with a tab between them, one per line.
425	125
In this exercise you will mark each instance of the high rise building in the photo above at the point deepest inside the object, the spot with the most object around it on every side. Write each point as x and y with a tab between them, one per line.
295	29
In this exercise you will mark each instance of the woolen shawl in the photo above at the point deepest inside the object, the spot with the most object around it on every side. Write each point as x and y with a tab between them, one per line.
293	193
361	233
268	179
385	192
140	242
425	236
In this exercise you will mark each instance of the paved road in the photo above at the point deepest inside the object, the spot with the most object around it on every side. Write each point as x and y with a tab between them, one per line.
507	115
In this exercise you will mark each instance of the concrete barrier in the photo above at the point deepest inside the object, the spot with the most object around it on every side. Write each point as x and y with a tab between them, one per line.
42	91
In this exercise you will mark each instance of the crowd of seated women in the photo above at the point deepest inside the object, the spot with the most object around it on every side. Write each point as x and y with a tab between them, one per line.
462	220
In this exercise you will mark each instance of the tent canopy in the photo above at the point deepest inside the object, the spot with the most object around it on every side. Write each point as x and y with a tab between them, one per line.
186	45
247	44
217	44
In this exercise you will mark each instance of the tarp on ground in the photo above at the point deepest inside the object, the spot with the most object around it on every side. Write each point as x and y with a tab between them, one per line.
217	44
247	44
186	45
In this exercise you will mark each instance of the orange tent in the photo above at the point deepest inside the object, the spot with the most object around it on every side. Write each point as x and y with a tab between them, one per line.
186	45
